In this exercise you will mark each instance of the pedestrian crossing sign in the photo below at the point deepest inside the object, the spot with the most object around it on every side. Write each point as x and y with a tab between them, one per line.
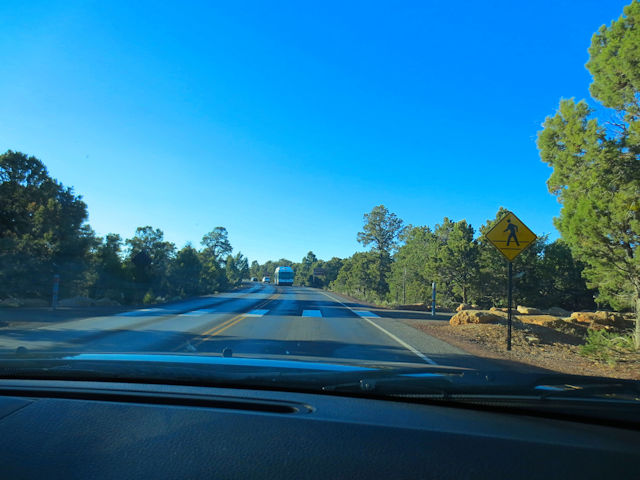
510	236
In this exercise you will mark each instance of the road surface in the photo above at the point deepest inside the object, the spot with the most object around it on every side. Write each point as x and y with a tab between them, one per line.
260	320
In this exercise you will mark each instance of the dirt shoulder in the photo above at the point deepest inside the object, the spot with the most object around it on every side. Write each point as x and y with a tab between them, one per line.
531	344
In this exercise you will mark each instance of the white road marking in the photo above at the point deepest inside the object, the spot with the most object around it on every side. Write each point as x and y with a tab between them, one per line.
257	313
366	313
400	341
143	312
311	313
197	313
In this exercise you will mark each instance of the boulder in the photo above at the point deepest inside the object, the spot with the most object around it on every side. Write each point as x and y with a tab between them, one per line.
463	306
498	309
10	302
550	321
33	302
107	302
582	317
77	302
528	310
558	312
474	316
609	319
600	319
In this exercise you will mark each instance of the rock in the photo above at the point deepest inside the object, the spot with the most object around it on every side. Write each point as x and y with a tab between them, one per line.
528	310
107	302
612	319
475	307
474	316
582	317
77	302
10	302
558	312
600	319
33	302
500	312
532	339
24	302
463	306
544	320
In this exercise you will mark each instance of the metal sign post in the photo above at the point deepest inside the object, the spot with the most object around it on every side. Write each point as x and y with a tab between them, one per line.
404	287
54	296
511	237
433	299
509	305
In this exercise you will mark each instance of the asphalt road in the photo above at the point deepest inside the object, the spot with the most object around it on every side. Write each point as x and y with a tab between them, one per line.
261	320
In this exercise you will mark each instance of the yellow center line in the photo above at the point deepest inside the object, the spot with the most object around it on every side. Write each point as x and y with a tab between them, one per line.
213	331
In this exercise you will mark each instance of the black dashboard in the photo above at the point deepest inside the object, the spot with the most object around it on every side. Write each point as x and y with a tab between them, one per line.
66	429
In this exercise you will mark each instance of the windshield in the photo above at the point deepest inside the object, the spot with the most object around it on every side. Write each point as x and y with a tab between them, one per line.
367	192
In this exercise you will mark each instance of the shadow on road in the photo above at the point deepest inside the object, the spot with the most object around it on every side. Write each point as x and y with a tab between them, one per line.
63	314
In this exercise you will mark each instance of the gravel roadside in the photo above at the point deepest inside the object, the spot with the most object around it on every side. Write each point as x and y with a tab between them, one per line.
554	351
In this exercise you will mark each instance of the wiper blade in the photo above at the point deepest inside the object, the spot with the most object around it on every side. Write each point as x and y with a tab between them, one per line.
434	380
556	386
302	376
463	385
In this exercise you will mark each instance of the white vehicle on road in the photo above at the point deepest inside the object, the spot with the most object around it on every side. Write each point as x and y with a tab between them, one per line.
283	276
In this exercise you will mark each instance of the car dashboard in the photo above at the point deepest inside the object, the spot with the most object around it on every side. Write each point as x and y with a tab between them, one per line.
75	429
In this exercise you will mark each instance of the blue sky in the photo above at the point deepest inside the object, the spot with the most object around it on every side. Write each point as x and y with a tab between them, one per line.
286	122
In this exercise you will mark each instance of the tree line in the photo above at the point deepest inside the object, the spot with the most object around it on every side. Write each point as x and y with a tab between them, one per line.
44	232
303	270
404	261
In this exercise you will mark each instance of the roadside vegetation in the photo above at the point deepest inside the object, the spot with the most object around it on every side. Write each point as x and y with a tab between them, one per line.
608	347
44	232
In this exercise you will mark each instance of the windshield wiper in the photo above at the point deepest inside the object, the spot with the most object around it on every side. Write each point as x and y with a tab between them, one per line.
297	377
466	384
558	386
432	381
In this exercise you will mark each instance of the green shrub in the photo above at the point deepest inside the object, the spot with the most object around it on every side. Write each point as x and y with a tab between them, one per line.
149	297
607	346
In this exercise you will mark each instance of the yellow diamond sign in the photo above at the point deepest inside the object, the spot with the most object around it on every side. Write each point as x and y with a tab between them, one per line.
510	236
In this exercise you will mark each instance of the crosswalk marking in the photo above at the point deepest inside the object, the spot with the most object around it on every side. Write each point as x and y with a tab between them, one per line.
144	312
257	313
366	313
311	313
197	313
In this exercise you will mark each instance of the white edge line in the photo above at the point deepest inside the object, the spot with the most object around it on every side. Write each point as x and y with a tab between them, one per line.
400	341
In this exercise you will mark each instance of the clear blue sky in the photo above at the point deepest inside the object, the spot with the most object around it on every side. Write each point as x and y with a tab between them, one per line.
286	122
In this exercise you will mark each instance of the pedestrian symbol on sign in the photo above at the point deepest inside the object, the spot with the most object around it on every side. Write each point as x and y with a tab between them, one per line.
512	228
